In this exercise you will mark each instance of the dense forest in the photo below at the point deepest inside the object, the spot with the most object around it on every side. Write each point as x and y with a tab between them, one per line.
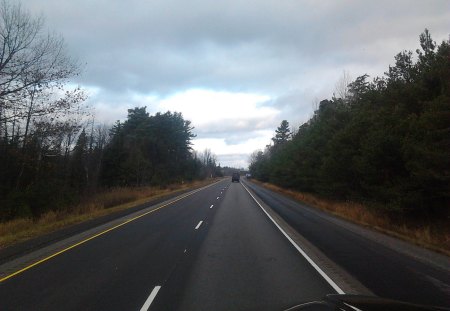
52	152
385	142
152	150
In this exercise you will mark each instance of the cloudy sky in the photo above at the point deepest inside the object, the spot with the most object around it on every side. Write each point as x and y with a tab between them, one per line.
236	69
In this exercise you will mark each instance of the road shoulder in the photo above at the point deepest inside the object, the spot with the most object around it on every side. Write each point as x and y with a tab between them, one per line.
30	252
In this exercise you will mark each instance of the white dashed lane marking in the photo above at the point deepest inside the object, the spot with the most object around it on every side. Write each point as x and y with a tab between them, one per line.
199	224
150	298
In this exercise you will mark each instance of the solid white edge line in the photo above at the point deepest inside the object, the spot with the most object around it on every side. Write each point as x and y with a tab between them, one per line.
199	224
299	249
150	298
211	206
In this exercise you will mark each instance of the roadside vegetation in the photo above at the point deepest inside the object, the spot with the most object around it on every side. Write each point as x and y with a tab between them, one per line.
101	204
434	235
382	144
58	165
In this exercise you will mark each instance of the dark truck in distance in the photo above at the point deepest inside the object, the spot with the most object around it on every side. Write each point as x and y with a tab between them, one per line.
235	177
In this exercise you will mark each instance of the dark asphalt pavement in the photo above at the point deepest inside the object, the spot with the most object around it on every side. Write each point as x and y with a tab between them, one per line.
117	270
245	263
215	250
383	270
235	258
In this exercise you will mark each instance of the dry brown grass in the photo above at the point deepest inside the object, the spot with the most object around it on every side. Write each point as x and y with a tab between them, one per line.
104	203
435	236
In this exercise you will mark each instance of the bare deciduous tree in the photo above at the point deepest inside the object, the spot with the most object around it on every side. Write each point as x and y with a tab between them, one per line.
39	115
341	89
33	64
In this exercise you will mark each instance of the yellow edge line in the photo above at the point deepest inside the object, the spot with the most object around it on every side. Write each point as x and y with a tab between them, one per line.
99	234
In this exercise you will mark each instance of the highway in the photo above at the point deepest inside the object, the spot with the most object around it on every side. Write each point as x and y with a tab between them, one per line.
386	266
216	248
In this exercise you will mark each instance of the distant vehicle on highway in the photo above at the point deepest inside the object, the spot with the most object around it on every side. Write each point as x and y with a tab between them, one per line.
248	175
235	177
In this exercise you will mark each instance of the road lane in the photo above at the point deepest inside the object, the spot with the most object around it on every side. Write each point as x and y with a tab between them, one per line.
115	271
245	263
301	250
383	270
213	250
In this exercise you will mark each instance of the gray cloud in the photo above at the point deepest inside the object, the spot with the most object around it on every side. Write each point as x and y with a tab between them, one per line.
157	46
238	160
292	51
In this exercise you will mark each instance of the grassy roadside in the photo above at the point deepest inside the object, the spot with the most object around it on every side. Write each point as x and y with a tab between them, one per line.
101	204
435	236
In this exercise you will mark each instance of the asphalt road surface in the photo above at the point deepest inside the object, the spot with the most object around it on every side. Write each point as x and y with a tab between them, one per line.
388	268
213	249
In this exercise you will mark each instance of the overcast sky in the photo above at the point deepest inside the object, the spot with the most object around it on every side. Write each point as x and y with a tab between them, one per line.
236	69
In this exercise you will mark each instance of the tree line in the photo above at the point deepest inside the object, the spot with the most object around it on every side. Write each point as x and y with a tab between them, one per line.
385	142
152	150
52	152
